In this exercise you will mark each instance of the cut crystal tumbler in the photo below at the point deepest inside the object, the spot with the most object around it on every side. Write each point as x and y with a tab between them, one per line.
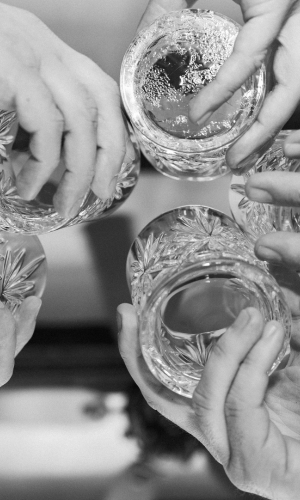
165	66
22	269
39	216
255	218
191	271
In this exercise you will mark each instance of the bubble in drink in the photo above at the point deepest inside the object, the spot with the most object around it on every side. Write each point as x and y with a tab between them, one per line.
176	68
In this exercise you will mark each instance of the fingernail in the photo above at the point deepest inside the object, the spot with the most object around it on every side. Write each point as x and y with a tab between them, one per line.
259	195
25	192
119	322
272	329
35	304
66	211
265	253
242	319
244	165
74	210
205	118
292	150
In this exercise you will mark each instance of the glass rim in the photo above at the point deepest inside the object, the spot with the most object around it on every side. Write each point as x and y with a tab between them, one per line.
211	211
188	270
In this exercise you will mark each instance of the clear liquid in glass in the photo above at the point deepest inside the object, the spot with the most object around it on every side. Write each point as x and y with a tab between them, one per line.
194	316
174	70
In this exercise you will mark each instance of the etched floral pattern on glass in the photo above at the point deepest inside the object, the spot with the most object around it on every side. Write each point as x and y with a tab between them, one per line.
256	218
22	269
190	272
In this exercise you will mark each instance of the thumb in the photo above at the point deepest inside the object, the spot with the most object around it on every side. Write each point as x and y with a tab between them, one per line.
176	408
7	344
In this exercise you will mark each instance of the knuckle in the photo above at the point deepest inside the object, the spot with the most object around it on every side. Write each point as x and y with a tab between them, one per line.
84	62
85	108
201	402
244	475
57	121
234	405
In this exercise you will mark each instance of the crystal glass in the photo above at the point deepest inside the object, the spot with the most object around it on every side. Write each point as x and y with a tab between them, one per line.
191	271
255	218
39	216
22	269
165	66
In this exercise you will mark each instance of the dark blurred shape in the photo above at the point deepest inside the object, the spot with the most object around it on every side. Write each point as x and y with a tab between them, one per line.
156	435
22	139
81	356
110	240
294	121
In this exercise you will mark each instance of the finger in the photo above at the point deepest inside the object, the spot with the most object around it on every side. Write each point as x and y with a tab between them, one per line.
80	118
278	107
289	282
245	59
112	135
172	406
280	248
291	146
26	321
218	375
254	440
112	139
39	116
7	344
157	8
278	188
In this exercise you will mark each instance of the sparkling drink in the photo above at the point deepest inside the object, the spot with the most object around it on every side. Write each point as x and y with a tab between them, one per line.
165	66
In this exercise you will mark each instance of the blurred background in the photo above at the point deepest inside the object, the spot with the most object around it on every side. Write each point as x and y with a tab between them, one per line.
72	423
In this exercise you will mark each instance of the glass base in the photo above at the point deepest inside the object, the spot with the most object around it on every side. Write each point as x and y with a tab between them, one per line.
184	166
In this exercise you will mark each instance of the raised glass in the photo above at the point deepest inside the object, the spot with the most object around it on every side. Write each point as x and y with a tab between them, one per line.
191	271
255	218
39	215
22	269
165	66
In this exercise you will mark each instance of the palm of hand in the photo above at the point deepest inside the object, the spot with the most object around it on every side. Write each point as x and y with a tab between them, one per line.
283	393
282	401
266	462
271	25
